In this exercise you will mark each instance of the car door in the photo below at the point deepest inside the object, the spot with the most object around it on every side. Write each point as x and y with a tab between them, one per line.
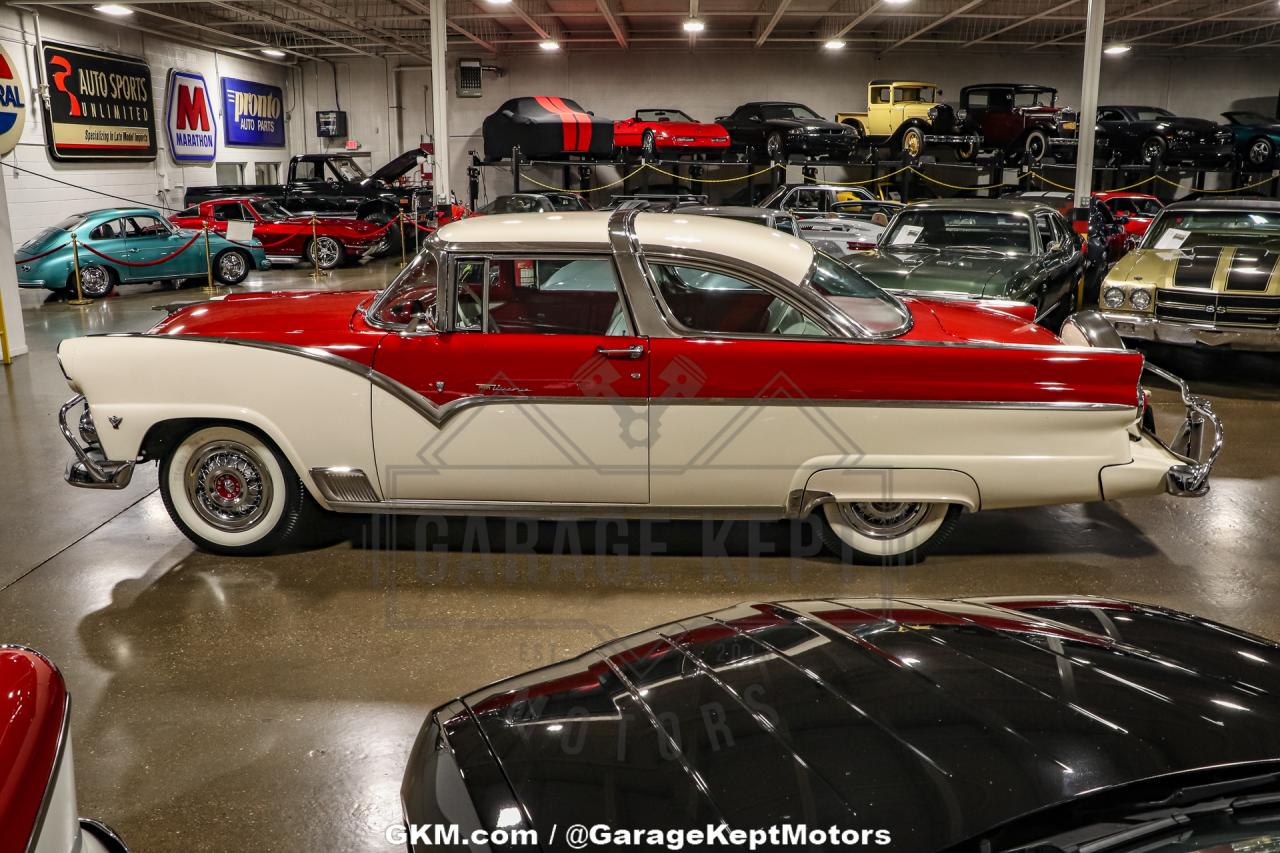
108	238
729	423
1057	252
536	387
148	239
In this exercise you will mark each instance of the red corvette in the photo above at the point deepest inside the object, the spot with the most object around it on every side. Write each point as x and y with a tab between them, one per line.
1139	208
654	130
288	238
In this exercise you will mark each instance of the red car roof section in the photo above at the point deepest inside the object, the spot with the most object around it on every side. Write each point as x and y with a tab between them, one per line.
33	707
576	124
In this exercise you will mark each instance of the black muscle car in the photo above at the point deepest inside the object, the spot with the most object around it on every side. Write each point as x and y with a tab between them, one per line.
778	129
1157	137
980	724
546	127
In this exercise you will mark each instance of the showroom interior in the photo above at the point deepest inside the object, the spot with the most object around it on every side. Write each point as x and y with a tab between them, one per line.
230	692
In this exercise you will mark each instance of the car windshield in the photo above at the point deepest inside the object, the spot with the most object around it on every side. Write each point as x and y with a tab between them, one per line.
1151	114
800	111
348	169
926	94
662	115
1145	207
1186	229
412	293
268	209
1251	119
857	298
566	201
1001	231
516	204
1039	98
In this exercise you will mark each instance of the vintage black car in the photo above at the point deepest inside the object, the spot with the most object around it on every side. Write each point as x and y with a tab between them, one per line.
546	127
1156	137
778	129
989	723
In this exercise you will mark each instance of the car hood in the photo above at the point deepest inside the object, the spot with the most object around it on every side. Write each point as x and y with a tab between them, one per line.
351	226
689	128
978	274
867	712
398	166
301	318
1185	269
810	124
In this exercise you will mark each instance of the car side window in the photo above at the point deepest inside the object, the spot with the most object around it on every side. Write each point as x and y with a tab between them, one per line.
703	300
1044	224
977	100
144	227
539	295
880	95
803	200
108	230
230	212
306	170
1110	115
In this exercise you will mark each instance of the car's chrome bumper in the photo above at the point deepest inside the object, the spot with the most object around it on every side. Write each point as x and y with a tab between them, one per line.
1148	328
92	469
1192	443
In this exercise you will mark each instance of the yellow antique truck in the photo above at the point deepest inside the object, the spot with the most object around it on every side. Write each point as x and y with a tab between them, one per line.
908	116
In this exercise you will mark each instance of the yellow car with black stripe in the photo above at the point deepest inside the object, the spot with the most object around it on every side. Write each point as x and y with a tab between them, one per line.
1206	272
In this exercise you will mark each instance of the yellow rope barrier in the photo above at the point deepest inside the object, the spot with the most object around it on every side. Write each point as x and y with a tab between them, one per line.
628	177
1234	190
707	180
957	187
1057	185
867	181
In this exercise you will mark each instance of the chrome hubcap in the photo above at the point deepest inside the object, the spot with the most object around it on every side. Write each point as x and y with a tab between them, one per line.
1152	151
883	520
231	266
94	281
326	252
226	486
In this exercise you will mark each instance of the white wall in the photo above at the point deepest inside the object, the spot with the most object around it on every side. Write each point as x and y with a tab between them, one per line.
35	203
710	83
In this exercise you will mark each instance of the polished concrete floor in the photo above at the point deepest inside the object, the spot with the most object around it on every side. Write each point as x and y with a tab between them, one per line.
269	704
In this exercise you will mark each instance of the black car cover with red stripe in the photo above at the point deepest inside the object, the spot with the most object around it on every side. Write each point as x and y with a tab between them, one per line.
546	127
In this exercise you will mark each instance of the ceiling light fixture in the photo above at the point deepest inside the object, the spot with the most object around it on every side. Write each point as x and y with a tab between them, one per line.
115	10
693	25
272	51
1116	49
499	2
549	45
896	2
834	44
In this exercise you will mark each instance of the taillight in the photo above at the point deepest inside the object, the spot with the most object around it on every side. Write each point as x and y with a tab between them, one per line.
859	246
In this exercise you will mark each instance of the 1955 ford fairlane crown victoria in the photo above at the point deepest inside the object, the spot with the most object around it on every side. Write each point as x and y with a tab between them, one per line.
623	364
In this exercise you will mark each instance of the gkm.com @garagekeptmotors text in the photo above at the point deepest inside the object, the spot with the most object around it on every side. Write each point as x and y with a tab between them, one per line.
603	836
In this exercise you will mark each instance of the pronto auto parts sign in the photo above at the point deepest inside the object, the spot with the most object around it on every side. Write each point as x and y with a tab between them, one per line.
13	107
100	105
252	113
189	119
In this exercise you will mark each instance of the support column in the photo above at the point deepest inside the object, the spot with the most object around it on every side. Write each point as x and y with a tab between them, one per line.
1086	134
15	335
440	101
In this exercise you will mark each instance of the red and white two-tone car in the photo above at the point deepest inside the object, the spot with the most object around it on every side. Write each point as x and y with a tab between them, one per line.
38	811
666	131
330	242
618	364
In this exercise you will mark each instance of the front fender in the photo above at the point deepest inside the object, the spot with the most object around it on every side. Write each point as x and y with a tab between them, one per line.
316	407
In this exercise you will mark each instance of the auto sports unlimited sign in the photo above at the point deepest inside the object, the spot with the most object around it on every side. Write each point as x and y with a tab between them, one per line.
100	105
13	108
252	113
189	119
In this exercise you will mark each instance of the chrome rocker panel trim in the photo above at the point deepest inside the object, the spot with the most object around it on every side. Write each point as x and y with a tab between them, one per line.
92	469
1191	479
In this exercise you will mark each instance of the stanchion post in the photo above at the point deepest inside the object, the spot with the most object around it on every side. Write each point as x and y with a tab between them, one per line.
316	272
208	261
75	262
400	222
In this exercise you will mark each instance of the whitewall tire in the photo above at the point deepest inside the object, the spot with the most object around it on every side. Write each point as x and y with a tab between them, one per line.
232	492
879	532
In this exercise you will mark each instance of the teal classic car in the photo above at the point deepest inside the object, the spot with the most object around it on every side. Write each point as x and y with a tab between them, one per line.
129	245
1017	251
1257	137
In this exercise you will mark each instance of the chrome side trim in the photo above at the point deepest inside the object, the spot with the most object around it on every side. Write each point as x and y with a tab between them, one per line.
647	310
801	502
64	733
92	469
892	404
344	484
550	510
1190	480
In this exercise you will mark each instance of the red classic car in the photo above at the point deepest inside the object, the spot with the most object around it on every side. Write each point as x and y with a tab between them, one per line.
1132	211
288	238
37	780
619	364
654	130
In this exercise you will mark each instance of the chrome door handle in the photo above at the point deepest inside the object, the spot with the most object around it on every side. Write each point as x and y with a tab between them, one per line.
634	351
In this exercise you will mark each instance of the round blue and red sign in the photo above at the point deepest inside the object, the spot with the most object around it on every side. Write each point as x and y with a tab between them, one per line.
13	106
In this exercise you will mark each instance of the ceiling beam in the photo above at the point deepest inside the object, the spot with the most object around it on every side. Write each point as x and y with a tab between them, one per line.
1270	23
257	43
936	23
764	31
857	19
1129	17
423	8
1173	27
331	15
287	24
1046	13
615	24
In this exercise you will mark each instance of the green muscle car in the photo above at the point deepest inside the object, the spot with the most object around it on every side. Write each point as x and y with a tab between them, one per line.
979	249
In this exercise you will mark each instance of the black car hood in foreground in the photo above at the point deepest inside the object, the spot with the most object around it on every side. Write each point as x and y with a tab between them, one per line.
936	720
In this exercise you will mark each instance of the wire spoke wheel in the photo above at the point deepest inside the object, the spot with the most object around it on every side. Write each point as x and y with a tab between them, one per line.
232	267
871	532
882	520
226	486
95	281
913	142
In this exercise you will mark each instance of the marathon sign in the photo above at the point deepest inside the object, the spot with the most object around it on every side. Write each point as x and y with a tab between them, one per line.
189	119
100	105
252	114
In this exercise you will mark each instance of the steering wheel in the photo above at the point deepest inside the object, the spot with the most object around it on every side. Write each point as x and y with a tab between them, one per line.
473	308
